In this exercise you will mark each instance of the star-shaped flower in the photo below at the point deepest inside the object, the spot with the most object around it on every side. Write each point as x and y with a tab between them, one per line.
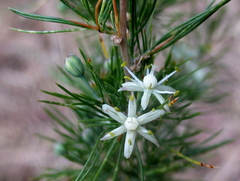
131	124
149	86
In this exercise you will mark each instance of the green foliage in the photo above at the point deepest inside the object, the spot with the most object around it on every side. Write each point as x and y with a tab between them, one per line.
101	79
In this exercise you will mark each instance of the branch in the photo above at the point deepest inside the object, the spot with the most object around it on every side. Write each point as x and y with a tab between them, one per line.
123	28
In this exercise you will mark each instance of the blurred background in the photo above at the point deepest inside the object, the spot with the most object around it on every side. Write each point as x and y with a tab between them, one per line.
27	64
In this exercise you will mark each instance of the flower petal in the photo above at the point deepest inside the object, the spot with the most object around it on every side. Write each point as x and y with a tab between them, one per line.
130	86
145	98
116	132
132	106
132	74
163	92
165	78
150	116
147	134
113	113
164	88
129	143
161	100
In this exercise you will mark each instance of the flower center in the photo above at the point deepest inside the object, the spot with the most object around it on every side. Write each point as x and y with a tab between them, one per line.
131	123
149	81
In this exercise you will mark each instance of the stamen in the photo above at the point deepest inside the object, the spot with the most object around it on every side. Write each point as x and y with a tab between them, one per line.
176	93
150	132
126	77
129	141
150	86
132	98
148	66
116	108
112	134
177	69
123	64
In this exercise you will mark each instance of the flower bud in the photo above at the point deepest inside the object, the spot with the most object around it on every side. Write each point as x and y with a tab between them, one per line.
74	66
60	149
88	136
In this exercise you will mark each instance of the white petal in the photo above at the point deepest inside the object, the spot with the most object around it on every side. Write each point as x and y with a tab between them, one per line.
140	84
161	100
118	116
116	132
144	132
126	84
164	88
165	78
150	116
132	106
130	86
129	143
145	98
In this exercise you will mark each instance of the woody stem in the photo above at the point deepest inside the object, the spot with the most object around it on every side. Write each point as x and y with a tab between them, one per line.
123	28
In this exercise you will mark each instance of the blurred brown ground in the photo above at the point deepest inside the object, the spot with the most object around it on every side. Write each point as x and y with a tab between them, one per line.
26	63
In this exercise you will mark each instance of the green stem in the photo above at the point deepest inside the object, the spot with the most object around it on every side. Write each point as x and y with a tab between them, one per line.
90	156
118	161
89	87
140	162
105	160
92	164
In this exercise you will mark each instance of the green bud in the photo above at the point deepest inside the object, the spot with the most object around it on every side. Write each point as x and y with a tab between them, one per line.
74	66
60	149
88	136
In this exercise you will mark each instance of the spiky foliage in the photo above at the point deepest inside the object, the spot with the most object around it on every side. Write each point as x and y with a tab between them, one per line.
103	76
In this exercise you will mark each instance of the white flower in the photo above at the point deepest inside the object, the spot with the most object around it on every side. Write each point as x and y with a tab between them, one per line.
131	124
149	86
